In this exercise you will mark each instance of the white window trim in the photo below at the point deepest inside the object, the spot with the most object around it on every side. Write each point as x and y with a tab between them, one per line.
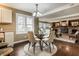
18	14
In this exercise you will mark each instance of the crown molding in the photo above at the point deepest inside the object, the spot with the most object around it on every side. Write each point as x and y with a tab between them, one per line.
60	9
70	18
57	19
67	16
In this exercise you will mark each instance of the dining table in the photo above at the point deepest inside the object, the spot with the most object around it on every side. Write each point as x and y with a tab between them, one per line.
41	41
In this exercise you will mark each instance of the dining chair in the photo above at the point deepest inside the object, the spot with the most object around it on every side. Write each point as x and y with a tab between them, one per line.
32	41
50	39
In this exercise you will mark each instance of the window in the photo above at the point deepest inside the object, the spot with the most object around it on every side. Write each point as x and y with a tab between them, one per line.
44	28
23	23
29	24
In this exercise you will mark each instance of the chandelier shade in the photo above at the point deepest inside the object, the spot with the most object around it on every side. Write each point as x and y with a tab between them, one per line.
36	13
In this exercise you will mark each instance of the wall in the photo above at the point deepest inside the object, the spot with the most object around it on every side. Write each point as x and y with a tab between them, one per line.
36	25
19	37
12	27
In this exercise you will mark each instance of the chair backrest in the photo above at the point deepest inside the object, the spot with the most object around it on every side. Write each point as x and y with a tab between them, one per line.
76	32
30	36
52	35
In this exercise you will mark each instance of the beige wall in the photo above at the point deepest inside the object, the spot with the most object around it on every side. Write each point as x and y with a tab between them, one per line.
36	25
12	27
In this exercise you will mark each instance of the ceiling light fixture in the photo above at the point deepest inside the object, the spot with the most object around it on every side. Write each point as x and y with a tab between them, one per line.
36	12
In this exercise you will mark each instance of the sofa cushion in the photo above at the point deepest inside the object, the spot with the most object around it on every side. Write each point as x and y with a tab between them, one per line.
6	51
3	45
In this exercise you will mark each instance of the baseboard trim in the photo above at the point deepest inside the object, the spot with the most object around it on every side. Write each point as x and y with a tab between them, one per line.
19	41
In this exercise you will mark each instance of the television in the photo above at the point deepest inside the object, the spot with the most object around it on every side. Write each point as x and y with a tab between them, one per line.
64	30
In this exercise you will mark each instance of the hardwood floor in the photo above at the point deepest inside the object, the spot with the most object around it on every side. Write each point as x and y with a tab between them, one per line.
19	49
64	49
67	49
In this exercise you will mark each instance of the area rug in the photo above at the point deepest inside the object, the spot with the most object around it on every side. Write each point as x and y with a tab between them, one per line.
38	52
